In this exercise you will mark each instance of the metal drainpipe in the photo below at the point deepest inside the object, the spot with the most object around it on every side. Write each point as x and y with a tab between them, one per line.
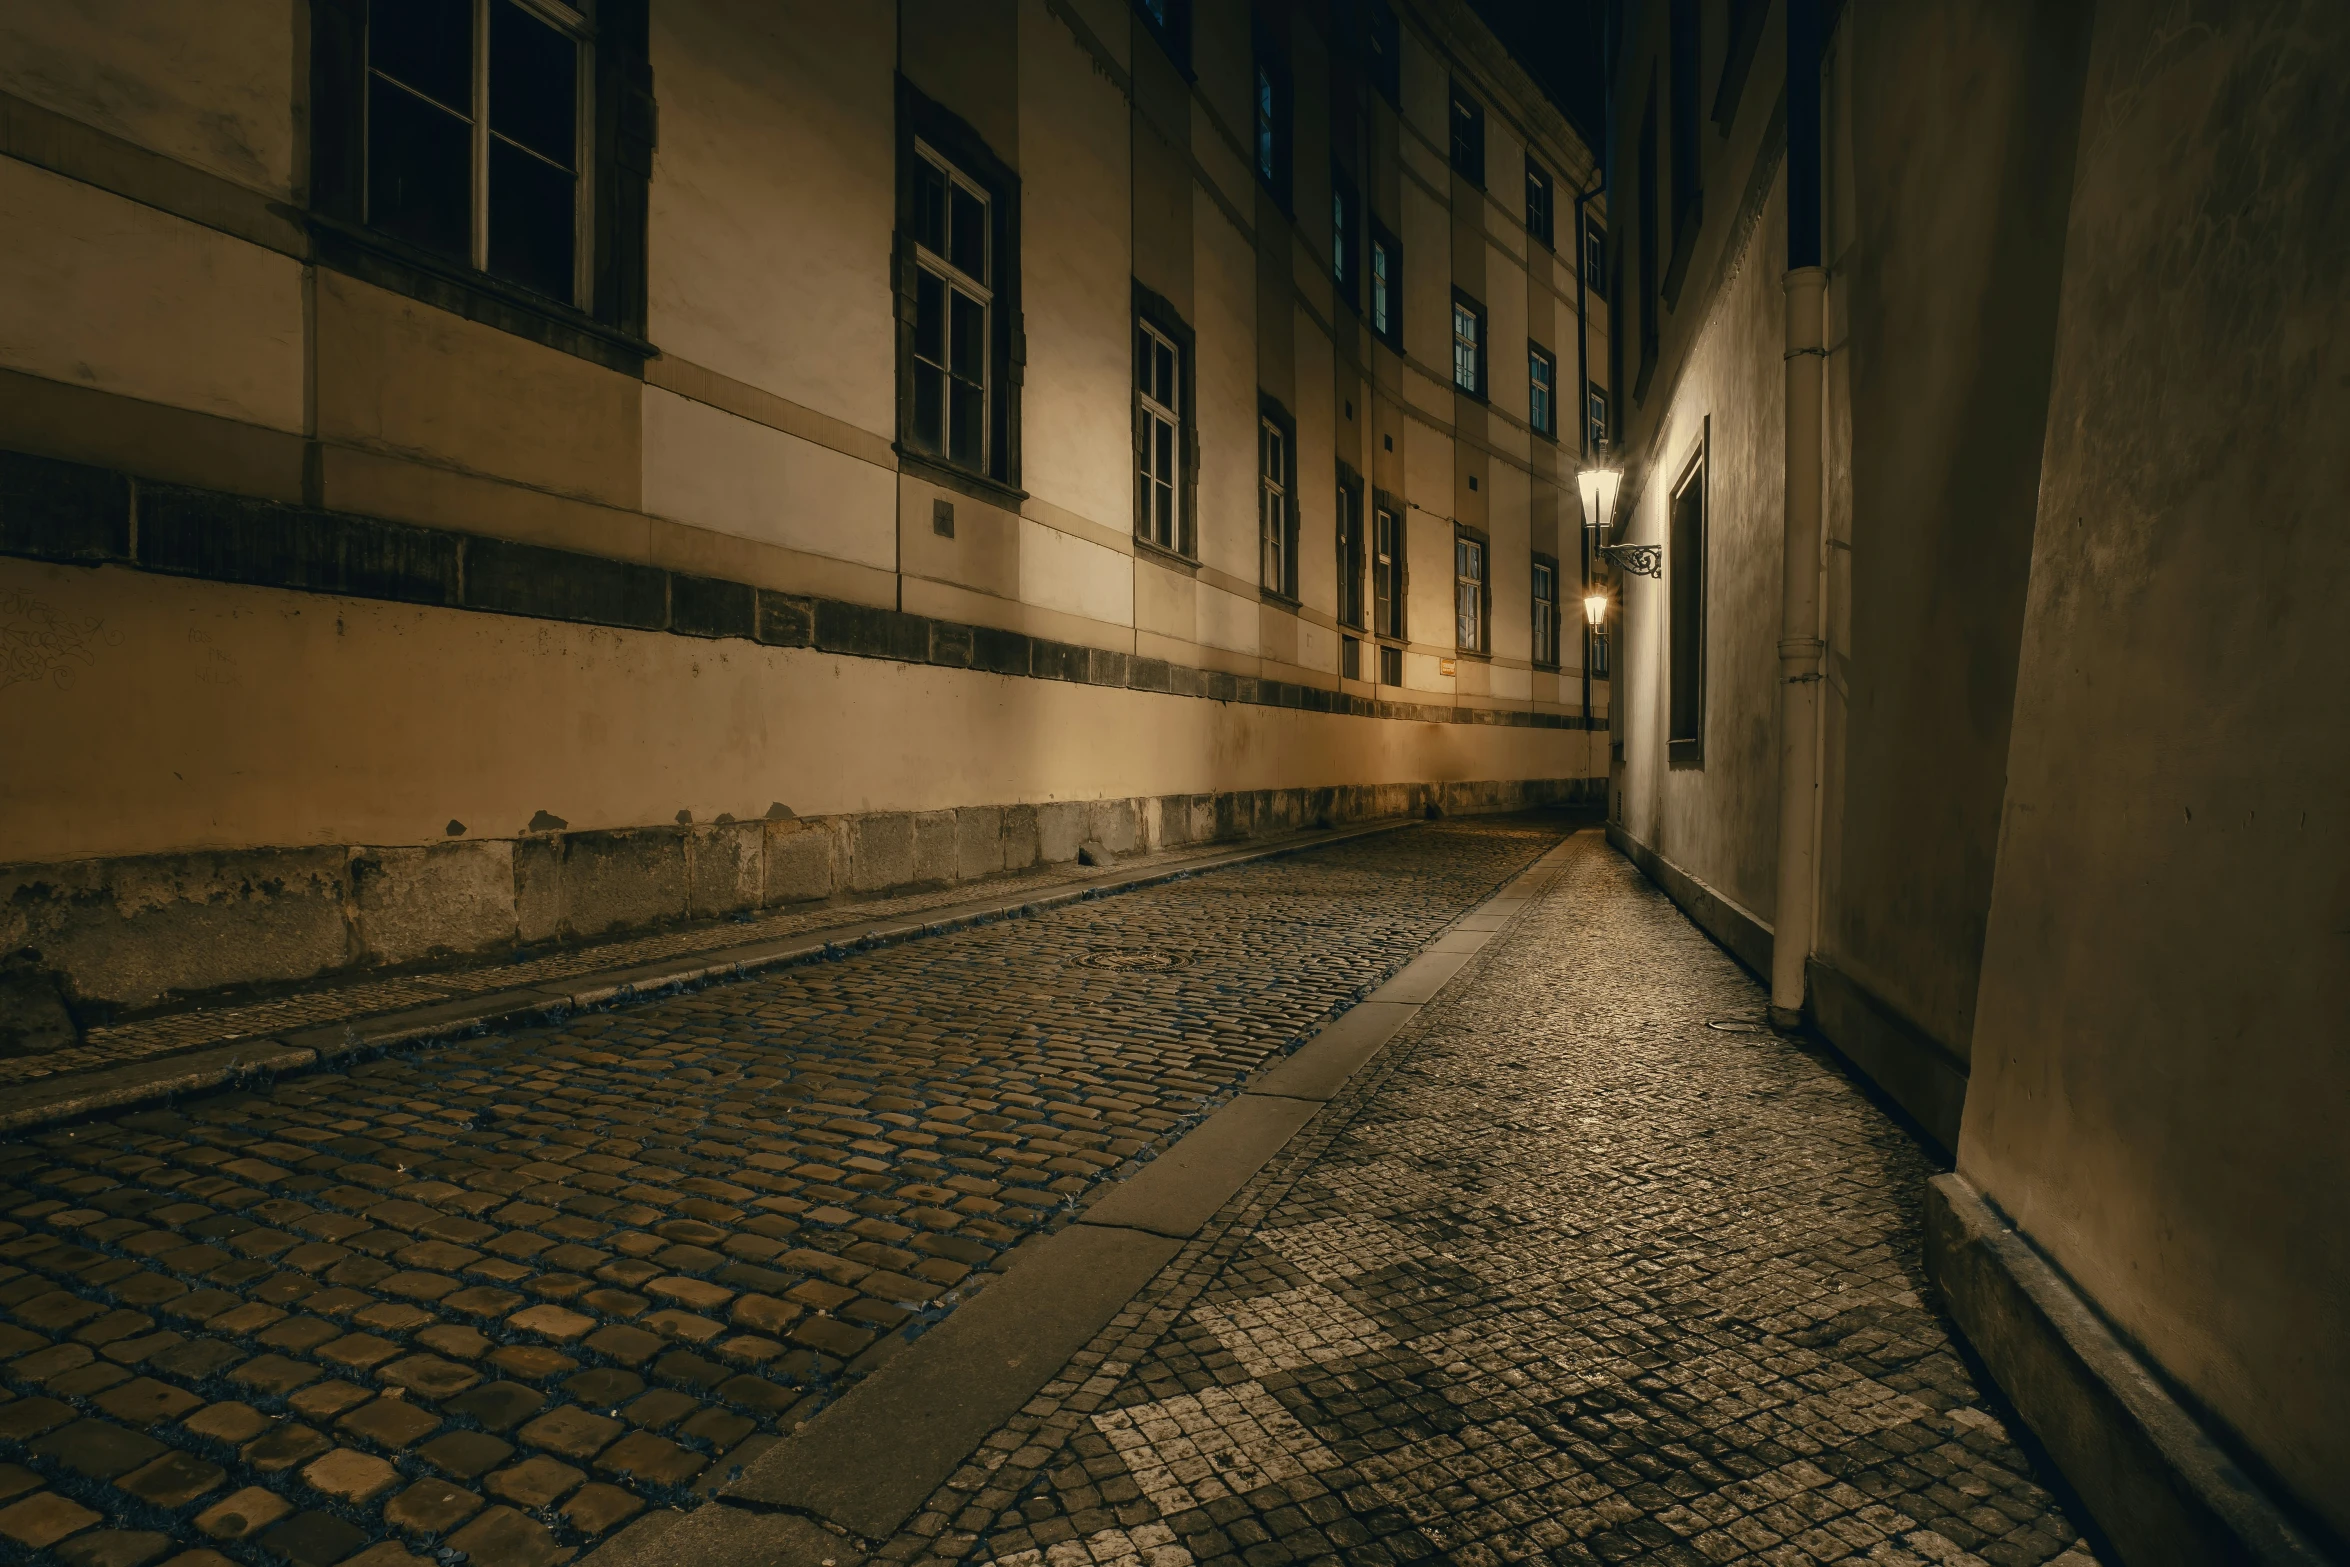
1801	649
1583	418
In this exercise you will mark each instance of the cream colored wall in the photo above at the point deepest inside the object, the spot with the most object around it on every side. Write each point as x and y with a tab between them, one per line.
239	716
212	85
100	292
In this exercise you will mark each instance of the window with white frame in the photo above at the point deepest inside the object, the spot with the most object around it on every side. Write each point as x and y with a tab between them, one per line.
1158	365
1469	584
1276	513
1595	413
1546	611
1468	345
477	137
952	300
1386	286
1542	377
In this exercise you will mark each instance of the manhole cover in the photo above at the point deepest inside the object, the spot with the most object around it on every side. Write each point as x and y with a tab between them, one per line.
1737	1025
1131	958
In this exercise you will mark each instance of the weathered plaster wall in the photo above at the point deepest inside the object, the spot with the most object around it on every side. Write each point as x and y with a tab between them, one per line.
1717	821
240	716
2159	1072
1954	125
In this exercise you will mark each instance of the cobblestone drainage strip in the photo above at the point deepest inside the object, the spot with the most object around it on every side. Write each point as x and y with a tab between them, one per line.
1133	958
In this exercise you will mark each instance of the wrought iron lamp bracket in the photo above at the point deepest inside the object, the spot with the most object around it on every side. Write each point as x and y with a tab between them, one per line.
1641	560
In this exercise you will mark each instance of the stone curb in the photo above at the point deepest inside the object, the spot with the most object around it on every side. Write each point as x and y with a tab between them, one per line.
2165	1493
866	1463
166	1077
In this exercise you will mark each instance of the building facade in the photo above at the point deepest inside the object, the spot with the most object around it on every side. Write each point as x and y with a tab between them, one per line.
1983	368
484	472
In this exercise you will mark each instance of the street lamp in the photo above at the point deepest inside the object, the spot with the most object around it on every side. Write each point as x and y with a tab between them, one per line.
1595	610
1599	486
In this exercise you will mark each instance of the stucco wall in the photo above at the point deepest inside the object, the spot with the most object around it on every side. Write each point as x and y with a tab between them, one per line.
1952	129
2159	1072
1717	821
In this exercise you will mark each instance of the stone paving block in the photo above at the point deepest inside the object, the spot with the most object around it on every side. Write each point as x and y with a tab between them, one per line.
497	1406
43	1519
350	1476
535	1483
97	1449
465	1455
113	1548
283	1446
431	1507
173	1480
390	1423
242	1514
313	1539
573	1432
598	1507
503	1537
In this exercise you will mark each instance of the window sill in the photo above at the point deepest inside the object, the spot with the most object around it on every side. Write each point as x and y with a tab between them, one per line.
1685	755
1165	557
1472	655
389	264
976	485
1276	596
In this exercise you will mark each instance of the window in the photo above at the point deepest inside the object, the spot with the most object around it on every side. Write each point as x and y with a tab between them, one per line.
1277	505
1595	259
1345	240
1468	592
1468	344
1169	22
1546	611
1542	379
1538	204
1595	652
1272	122
476	133
1468	137
1595	412
957	310
1350	550
1685	588
1387	579
951	306
1159	431
1383	49
1387	287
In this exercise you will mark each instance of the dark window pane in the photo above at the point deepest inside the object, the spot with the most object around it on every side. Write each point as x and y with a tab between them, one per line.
1165	361
428	44
970	233
534	84
967	336
419	171
531	227
964	421
930	208
930	408
930	318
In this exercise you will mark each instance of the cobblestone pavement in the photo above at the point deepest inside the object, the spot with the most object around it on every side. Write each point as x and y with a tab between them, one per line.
486	1301
1565	1276
143	1038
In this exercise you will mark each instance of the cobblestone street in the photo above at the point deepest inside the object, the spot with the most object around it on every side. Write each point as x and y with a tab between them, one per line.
486	1301
1566	1275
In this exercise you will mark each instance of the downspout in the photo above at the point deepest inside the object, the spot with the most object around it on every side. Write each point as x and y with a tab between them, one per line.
1583	413
1801	650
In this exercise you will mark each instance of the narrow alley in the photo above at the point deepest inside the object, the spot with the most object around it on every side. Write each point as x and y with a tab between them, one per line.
1568	1271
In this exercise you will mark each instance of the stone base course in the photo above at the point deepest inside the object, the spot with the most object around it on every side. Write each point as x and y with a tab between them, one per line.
117	936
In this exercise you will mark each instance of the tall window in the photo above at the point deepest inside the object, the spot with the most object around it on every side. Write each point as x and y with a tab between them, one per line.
1468	345
1596	413
1685	579
1688	197
951	304
1386	286
1468	592
1468	136
476	133
1387	590
1350	552
1538	202
1595	259
1383	49
1345	224
1542	379
1546	611
1276	508
1272	122
1159	437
